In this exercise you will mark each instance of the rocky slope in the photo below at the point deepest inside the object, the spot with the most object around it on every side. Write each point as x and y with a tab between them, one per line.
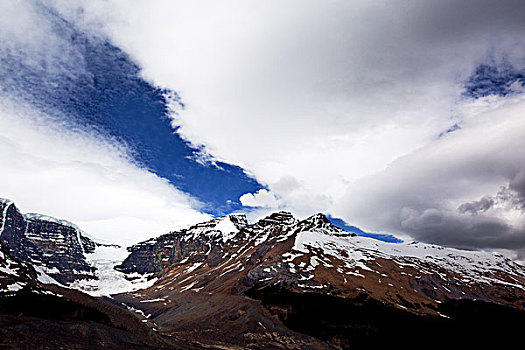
56	246
209	275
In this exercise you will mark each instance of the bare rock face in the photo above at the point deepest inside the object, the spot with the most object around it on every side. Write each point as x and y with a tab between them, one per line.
56	246
155	254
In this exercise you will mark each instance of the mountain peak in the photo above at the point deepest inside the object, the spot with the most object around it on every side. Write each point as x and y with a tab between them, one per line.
278	218
42	217
320	220
57	246
319	217
5	201
238	219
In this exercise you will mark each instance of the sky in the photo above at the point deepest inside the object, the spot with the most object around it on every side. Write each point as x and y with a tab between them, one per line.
400	118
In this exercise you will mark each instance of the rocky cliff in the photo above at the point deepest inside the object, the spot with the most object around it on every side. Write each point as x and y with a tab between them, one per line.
56	246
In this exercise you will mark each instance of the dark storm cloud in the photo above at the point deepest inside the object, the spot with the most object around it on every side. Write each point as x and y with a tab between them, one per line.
511	197
440	19
465	191
483	204
518	184
467	232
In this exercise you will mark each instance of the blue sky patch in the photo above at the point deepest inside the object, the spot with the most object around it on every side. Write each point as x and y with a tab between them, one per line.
95	86
450	130
354	229
494	79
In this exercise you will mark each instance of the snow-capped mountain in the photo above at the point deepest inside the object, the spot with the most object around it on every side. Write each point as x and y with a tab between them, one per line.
209	275
313	255
38	313
64	252
280	282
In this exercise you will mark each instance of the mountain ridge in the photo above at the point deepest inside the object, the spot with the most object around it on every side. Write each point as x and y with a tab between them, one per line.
280	282
203	279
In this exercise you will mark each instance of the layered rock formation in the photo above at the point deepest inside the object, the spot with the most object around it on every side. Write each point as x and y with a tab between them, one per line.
56	246
35	313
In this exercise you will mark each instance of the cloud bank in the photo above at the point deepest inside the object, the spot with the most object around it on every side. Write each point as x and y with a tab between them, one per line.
53	166
465	190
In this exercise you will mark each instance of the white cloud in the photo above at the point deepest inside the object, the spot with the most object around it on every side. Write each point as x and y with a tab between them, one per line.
262	198
84	179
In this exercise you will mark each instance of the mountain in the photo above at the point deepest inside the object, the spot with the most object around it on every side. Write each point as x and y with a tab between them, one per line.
313	255
62	251
278	283
314	279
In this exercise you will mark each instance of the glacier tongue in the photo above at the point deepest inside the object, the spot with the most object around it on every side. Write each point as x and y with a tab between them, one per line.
110	281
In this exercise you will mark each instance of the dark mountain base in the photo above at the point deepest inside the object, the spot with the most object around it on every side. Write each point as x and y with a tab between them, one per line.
37	333
30	320
222	321
356	323
28	304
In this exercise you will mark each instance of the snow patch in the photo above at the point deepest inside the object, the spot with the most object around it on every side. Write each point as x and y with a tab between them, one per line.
43	277
152	300
227	227
355	251
15	287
